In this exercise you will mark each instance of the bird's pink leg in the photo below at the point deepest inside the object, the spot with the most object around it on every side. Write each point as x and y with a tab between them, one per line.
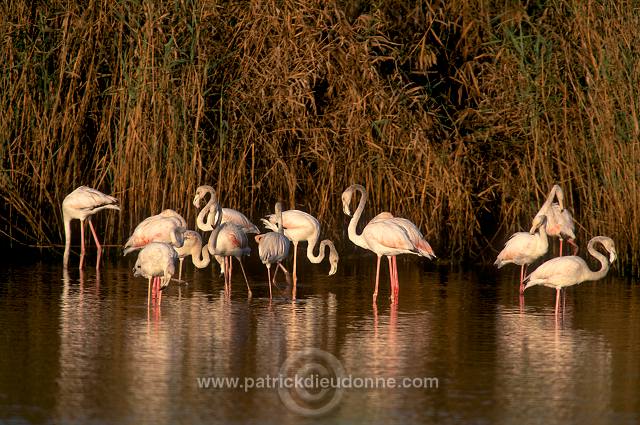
159	293
149	293
523	271
245	277
375	291
269	277
560	255
574	245
95	238
391	279
557	300
81	243
295	275
274	275
395	273
230	270
180	268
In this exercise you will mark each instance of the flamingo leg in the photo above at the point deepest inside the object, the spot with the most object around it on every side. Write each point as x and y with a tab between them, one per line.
180	268
95	238
375	291
230	270
557	300
391	278
159	292
149	293
560	255
574	245
295	264
395	273
81	243
523	272
269	277
274	275
245	277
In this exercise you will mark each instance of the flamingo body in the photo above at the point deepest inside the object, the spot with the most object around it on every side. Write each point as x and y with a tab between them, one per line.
156	260
156	229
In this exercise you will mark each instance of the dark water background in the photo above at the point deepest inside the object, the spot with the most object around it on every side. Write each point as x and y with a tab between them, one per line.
84	348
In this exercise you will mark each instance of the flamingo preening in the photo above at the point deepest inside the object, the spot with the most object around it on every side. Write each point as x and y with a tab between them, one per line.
561	272
300	226
383	236
273	247
228	240
81	204
559	220
156	260
157	228
523	248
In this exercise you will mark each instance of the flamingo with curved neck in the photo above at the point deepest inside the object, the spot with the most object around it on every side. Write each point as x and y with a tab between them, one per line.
300	226
561	272
383	237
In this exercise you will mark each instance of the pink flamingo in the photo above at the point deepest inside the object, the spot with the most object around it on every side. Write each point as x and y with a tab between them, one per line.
164	227
228	215
192	246
273	247
523	248
300	226
156	260
383	237
561	272
228	240
416	237
81	204
559	220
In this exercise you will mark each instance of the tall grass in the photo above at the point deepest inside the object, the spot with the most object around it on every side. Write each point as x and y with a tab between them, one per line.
458	115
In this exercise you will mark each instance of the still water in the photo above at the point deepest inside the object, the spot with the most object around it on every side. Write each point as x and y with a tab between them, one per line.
84	348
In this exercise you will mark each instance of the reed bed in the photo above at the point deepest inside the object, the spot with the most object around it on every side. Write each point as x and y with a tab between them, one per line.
458	115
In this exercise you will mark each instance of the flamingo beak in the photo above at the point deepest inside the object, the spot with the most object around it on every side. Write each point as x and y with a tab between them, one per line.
196	201
612	257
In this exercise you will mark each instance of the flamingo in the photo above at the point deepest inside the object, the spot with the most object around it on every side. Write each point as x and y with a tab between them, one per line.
566	271
300	226
523	248
416	237
192	246
383	237
156	259
157	228
559	220
228	240
273	247
81	204
228	215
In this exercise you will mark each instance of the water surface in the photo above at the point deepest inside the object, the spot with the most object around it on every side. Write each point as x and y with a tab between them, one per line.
84	348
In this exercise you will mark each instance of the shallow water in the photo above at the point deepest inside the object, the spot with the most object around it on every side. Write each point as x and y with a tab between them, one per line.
84	348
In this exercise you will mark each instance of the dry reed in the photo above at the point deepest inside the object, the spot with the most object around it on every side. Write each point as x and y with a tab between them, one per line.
458	115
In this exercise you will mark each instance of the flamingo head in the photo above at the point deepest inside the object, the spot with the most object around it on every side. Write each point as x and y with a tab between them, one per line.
201	191
538	221
346	201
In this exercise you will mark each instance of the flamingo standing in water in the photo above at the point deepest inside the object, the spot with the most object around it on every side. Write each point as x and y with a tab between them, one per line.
228	240
273	247
559	220
192	246
81	204
156	260
416	237
300	226
561	272
205	218
382	236
523	248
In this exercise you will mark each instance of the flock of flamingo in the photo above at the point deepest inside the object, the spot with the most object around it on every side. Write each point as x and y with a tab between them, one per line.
163	239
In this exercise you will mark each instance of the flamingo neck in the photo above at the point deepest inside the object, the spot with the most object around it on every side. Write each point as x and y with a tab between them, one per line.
213	239
353	224
311	246
200	256
201	222
604	263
